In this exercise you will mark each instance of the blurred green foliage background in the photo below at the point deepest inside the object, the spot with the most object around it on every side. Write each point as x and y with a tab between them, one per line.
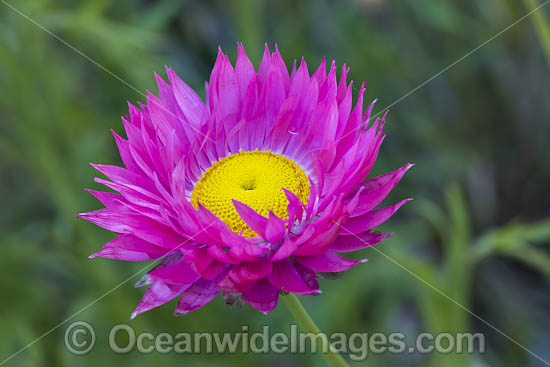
479	133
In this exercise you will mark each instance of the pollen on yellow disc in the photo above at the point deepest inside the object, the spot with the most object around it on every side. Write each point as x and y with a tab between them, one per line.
254	178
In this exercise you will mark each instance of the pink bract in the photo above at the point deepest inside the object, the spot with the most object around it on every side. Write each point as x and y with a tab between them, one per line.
174	138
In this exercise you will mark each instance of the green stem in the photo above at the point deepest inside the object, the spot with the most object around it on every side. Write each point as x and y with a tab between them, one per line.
308	325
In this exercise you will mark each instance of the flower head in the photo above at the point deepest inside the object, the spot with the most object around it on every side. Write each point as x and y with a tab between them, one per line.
254	191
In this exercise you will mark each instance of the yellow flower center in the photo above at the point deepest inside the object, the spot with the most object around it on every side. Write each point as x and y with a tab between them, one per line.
253	178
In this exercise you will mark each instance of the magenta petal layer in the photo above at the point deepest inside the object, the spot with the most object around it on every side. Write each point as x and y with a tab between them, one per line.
173	139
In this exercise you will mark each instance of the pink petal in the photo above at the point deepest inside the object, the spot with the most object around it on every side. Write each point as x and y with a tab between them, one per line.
285	277
114	221
123	254
275	228
198	259
262	296
327	262
130	248
321	241
274	95
125	155
213	270
264	65
377	188
295	208
363	240
227	284
109	199
308	276
244	70
286	249
279	64
198	295
279	132
255	221
189	102
371	219
124	176
180	273
228	89
254	271
158	294
222	256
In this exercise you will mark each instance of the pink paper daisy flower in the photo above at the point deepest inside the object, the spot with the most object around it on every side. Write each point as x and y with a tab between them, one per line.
251	193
